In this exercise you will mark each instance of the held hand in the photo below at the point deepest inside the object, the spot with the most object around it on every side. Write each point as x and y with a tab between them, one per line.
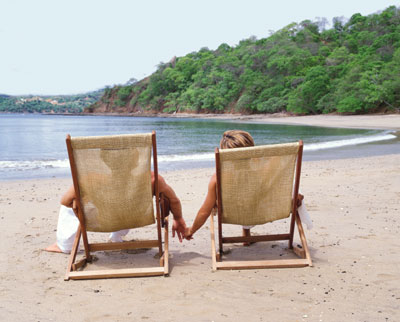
188	233
179	226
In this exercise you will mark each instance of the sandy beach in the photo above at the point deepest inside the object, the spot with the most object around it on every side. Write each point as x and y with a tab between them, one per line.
354	205
372	121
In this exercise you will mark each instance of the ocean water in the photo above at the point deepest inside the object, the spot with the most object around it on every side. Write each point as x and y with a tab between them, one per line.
33	145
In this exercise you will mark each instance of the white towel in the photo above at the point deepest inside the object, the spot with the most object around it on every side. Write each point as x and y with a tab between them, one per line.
66	229
68	225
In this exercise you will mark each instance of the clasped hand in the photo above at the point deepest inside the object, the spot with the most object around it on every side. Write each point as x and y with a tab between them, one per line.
179	227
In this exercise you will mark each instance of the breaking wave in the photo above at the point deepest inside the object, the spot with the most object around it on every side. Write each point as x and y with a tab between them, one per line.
6	166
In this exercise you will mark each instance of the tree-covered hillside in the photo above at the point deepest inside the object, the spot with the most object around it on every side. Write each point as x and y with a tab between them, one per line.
352	67
48	104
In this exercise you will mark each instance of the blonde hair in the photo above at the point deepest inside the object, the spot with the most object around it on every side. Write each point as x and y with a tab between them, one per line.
236	139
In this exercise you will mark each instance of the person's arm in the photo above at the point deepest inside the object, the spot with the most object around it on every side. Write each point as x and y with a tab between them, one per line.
175	203
205	210
179	225
68	198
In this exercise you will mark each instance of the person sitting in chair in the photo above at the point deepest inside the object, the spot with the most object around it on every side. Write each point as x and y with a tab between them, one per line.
230	139
68	221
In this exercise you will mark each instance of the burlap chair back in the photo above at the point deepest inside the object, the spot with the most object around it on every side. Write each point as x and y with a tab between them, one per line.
114	177
257	183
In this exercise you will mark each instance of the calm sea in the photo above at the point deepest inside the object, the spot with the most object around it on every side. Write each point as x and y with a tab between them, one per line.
33	146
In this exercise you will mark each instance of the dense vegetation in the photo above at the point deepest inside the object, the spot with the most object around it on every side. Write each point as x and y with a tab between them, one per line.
48	104
303	68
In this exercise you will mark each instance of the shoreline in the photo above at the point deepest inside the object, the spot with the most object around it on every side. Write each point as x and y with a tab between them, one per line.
367	121
172	172
384	122
370	121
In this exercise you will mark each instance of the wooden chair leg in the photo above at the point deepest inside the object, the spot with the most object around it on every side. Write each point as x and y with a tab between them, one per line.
74	250
303	239
291	233
166	248
299	251
213	249
79	264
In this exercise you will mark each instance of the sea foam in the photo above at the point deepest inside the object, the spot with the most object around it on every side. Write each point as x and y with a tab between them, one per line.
347	142
43	164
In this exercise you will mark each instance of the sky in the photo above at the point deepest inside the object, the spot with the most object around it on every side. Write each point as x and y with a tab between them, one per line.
50	47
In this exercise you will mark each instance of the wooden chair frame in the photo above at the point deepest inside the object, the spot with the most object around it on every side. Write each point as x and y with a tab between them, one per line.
303	252
72	268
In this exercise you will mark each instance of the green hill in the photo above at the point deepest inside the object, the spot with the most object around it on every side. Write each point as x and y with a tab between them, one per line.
48	104
303	68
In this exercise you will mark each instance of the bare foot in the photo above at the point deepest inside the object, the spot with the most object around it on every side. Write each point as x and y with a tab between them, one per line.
53	248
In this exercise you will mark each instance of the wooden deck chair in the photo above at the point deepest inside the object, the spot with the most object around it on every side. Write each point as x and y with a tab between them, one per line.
112	181
257	185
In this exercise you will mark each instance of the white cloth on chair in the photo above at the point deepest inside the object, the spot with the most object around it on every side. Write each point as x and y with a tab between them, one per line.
66	229
68	225
117	235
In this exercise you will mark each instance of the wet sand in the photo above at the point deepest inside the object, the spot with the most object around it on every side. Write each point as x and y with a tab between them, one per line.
389	121
371	121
